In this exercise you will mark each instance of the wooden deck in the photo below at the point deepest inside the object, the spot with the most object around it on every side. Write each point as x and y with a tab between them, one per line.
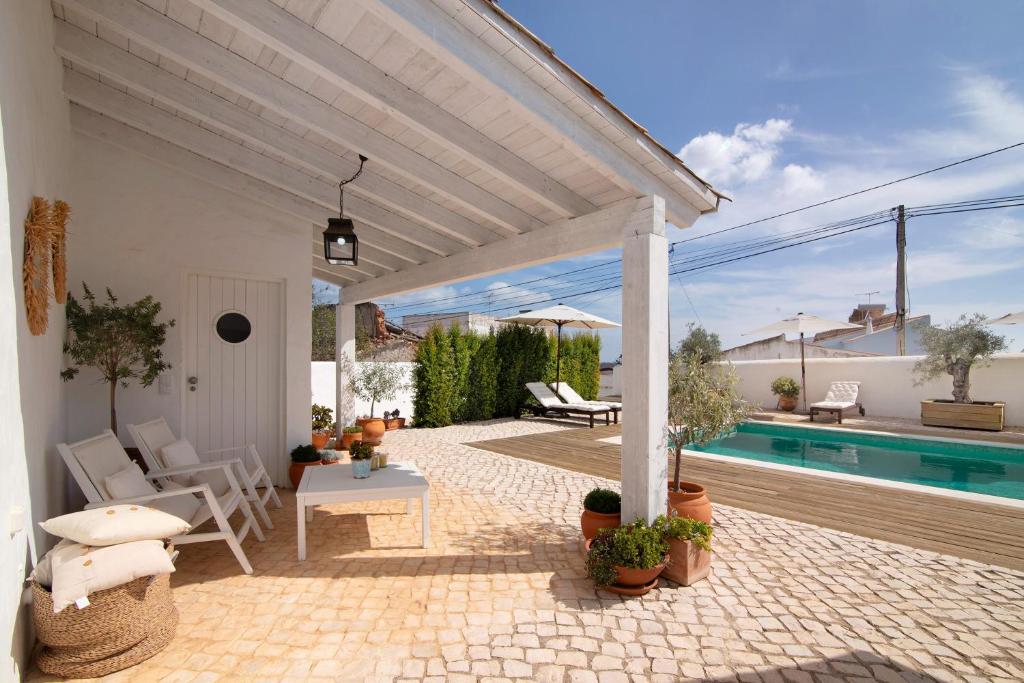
984	532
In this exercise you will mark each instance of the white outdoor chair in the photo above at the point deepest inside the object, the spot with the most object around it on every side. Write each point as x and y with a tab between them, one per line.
841	396
94	459
152	436
569	395
549	403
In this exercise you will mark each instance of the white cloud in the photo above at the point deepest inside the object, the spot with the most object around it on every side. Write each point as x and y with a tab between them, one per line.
745	156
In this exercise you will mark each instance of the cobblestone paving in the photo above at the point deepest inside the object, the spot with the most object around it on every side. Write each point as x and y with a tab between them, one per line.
501	595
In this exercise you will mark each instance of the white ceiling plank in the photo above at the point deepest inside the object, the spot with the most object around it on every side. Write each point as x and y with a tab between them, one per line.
198	53
86	49
566	238
328	276
429	26
321	55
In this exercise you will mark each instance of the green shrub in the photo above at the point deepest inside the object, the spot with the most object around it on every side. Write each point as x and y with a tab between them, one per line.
636	546
685	529
360	451
323	418
483	381
355	429
305	453
785	386
603	501
434	380
523	356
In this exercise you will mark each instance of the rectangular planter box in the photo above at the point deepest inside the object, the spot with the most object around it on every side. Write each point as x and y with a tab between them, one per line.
687	563
979	415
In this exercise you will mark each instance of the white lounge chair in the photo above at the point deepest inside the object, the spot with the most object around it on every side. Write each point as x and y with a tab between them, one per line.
841	396
569	395
152	436
92	460
549	403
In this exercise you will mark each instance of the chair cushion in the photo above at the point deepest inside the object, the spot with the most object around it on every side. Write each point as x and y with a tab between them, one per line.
78	570
587	407
183	506
116	524
179	453
544	395
567	393
128	483
100	458
216	479
842	392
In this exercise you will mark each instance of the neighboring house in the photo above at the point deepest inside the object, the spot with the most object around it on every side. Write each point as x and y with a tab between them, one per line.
473	322
778	347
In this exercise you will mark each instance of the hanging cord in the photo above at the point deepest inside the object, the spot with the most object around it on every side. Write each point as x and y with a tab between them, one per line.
343	183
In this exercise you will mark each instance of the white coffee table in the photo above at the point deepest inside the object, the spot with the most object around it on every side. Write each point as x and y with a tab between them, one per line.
335	484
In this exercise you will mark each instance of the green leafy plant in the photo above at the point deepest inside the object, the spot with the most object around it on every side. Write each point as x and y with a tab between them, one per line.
523	356
603	501
435	385
634	546
354	429
954	350
699	341
323	418
482	387
703	403
376	382
685	529
360	451
122	342
305	453
785	386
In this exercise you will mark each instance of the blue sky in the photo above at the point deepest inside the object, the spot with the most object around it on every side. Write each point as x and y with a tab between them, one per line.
782	104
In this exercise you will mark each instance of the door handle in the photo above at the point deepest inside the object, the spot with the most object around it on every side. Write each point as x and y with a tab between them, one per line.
192	382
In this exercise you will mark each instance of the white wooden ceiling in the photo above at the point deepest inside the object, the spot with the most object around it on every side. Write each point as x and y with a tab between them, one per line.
474	130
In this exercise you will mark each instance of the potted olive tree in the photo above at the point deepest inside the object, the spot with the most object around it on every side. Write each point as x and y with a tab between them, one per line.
703	404
787	389
375	382
954	350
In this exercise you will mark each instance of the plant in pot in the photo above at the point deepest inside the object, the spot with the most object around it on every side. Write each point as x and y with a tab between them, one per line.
787	389
350	434
375	382
329	457
601	510
302	457
361	453
689	553
323	421
392	420
703	404
954	350
627	560
122	342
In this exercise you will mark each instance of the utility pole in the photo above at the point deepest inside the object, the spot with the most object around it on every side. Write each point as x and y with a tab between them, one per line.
901	281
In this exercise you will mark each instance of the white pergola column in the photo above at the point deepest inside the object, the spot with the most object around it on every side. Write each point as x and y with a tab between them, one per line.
345	363
644	362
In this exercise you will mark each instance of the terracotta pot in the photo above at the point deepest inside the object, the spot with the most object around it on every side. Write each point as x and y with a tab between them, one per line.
296	470
320	440
787	403
686	562
627	576
373	429
348	437
394	423
690	501
591	522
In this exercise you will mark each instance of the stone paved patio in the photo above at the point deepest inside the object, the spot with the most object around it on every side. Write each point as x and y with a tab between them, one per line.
501	595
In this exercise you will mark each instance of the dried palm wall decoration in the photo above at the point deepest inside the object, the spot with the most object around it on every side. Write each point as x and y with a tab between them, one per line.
35	272
59	220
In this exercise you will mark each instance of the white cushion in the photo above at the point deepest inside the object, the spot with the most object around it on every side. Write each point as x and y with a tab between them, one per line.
79	570
100	458
587	407
116	524
178	454
842	392
128	483
216	479
182	506
543	394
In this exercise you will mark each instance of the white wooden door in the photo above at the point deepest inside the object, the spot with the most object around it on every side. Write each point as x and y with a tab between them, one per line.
234	366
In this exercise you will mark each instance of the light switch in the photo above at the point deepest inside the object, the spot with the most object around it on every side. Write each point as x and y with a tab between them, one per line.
165	383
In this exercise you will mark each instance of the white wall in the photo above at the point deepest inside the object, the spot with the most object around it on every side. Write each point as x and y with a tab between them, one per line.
33	162
138	228
887	383
324	381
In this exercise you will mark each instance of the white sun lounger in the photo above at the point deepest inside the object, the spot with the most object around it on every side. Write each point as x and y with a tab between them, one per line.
549	403
569	395
841	396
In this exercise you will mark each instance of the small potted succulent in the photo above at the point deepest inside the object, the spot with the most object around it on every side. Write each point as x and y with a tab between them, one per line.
627	560
302	457
787	389
323	422
601	510
689	549
392	420
361	453
350	434
329	458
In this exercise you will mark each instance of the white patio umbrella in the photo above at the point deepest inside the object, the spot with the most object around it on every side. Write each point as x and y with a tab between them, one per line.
802	324
560	316
1008	319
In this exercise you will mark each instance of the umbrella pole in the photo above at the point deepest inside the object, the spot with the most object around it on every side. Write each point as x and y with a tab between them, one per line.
803	373
558	358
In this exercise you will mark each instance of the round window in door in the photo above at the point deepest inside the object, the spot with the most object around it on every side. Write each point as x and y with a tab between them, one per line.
234	328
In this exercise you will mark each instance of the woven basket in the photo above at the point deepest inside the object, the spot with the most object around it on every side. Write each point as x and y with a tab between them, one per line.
121	627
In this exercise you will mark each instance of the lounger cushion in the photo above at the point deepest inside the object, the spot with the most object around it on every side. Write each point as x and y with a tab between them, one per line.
586	407
180	453
128	483
842	392
78	570
117	524
833	405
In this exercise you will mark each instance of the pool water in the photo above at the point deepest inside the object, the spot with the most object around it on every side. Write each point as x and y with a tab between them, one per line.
973	467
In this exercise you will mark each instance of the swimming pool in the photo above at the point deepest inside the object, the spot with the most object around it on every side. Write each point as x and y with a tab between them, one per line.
973	467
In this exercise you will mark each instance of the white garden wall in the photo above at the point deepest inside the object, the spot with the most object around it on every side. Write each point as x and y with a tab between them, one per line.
33	161
324	381
887	383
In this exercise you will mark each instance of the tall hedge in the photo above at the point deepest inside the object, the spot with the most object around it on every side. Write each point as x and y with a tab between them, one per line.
483	381
581	364
523	356
435	380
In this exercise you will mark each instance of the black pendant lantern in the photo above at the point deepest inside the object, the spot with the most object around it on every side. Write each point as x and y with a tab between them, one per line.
341	246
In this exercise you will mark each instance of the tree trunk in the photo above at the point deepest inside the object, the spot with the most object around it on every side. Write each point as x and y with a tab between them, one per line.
961	371
675	480
113	408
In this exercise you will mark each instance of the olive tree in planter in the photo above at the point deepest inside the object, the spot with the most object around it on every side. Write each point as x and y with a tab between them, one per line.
703	403
954	350
375	382
122	342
